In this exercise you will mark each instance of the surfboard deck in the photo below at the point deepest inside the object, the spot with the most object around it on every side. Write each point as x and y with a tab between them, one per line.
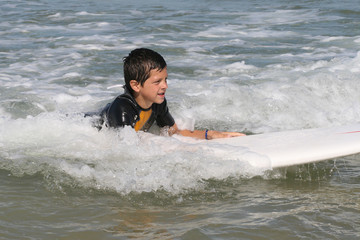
296	147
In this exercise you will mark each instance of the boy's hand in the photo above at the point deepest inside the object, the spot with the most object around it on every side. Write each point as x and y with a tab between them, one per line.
217	134
201	134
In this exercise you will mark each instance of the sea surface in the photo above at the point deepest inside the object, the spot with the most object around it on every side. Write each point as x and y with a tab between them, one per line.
234	65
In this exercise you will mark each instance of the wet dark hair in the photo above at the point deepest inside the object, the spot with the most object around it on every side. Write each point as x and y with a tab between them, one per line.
139	63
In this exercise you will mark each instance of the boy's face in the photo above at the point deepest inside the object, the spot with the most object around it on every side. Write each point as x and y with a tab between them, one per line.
153	90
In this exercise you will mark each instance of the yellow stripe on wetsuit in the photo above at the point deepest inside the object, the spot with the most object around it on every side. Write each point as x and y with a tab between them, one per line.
144	117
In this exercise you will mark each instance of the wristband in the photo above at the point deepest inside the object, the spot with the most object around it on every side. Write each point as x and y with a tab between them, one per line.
206	134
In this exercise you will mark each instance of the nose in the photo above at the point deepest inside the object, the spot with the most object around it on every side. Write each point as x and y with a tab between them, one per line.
164	85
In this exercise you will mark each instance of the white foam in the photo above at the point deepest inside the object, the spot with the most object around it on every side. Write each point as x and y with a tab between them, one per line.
98	47
122	160
84	13
279	97
90	25
71	75
66	98
56	15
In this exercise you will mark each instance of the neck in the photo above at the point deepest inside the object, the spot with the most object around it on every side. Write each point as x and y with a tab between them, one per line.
142	102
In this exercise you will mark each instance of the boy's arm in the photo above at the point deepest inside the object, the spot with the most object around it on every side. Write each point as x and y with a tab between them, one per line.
201	134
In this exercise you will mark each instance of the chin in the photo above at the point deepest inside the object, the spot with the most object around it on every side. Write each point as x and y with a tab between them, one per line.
159	101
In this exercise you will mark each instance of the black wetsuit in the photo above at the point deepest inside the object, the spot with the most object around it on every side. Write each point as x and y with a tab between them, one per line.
124	111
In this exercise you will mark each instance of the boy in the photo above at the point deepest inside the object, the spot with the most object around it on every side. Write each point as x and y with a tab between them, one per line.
143	101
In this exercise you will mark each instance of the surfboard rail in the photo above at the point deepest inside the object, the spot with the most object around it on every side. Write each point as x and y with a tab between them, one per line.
296	147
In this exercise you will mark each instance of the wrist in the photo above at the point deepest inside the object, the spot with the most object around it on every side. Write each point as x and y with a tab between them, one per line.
209	134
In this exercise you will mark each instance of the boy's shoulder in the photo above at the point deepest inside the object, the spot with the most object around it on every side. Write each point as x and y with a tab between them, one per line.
125	98
121	111
124	102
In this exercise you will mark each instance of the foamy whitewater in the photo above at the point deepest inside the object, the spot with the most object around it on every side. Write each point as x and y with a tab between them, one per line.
249	69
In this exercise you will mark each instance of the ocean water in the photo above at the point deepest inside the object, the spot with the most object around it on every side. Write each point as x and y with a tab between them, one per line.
234	65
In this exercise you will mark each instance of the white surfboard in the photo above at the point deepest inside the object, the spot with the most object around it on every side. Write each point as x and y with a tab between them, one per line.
301	146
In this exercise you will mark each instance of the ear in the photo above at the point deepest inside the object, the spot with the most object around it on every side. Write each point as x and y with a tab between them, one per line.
135	85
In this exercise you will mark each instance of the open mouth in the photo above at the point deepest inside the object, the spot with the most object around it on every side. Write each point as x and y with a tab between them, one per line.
161	94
